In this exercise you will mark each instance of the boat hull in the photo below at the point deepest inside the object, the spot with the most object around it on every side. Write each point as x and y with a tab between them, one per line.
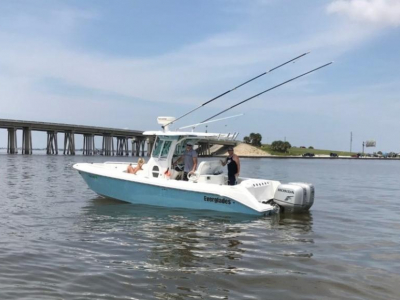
151	194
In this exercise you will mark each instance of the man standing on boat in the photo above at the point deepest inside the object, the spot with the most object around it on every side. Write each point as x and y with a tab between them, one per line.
233	163
190	159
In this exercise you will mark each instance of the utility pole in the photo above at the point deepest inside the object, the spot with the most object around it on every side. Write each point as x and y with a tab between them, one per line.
351	140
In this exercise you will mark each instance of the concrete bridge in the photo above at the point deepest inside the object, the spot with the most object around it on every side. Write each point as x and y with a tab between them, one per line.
141	144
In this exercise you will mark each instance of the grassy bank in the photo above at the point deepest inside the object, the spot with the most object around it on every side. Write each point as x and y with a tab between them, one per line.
294	151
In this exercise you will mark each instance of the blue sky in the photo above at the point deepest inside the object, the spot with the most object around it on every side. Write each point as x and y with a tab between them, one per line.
123	63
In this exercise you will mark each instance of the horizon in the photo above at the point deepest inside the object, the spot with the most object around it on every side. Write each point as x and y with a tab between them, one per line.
98	141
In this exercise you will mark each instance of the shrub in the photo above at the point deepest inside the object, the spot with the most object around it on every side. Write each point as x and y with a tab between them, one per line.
280	146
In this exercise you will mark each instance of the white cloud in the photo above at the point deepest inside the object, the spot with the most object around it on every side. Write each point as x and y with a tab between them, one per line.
182	75
376	12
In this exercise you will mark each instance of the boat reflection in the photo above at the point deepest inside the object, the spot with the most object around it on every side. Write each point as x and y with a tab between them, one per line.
182	240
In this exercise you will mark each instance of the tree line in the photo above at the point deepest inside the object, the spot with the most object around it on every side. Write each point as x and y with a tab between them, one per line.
255	140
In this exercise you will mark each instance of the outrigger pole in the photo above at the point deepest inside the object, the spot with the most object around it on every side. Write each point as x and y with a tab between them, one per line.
202	123
223	94
274	87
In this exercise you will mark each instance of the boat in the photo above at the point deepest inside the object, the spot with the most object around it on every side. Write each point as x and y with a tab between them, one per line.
207	189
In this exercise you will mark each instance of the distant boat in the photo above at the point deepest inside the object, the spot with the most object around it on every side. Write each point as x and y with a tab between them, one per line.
206	189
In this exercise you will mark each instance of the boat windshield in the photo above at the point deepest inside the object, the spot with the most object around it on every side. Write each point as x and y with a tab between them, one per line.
165	148
157	148
179	149
161	148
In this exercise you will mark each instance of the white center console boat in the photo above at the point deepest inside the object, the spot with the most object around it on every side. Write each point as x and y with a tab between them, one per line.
206	189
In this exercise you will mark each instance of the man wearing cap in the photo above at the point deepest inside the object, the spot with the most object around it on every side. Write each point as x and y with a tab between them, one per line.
233	163
190	159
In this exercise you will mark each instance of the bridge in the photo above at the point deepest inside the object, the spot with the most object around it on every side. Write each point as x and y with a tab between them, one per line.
140	144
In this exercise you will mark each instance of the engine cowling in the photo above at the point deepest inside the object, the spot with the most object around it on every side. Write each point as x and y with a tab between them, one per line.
295	196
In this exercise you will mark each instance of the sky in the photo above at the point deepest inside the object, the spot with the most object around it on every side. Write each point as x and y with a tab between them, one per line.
123	63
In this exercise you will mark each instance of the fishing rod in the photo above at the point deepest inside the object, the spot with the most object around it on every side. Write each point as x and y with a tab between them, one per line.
240	85
274	87
195	125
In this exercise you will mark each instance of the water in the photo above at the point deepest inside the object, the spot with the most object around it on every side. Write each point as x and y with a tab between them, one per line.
58	240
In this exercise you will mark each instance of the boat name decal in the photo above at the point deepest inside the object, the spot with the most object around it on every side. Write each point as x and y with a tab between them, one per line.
286	191
217	200
93	176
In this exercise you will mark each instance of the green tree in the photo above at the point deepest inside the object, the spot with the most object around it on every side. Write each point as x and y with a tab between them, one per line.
255	139
280	146
311	147
247	140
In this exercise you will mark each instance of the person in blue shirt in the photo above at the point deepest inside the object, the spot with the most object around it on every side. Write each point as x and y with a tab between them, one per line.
189	158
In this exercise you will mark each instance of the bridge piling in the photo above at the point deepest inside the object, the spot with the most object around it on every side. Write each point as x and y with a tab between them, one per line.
133	145
69	143
122	146
150	144
88	144
143	144
138	141
26	141
108	145
204	149
12	147
126	146
52	145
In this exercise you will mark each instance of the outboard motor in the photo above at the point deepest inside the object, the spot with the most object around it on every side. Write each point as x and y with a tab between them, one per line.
295	196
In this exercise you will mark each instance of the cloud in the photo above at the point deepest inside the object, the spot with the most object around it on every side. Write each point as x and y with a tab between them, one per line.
385	13
47	74
181	75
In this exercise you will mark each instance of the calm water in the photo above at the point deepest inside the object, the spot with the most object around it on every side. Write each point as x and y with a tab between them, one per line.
58	240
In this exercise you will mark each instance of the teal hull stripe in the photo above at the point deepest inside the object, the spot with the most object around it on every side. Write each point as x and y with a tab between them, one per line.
139	193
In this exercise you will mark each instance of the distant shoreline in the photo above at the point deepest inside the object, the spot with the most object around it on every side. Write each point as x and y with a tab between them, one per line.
315	157
248	151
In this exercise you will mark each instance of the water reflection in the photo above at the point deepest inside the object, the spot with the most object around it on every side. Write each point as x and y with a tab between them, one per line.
300	221
182	240
175	239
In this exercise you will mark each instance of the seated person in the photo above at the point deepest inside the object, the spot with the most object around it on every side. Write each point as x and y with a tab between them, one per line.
134	170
